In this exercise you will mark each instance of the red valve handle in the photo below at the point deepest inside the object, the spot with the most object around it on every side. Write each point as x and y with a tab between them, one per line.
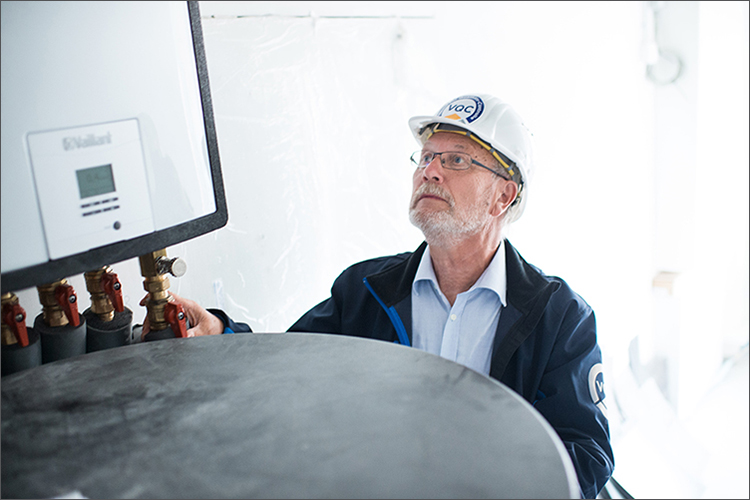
66	297
15	317
174	314
113	288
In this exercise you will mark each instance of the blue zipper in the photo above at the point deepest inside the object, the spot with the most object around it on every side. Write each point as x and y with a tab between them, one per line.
403	337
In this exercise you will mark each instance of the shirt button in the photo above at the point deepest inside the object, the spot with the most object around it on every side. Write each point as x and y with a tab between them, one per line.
453	317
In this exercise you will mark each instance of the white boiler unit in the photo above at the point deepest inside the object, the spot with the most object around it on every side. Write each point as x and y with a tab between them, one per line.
108	143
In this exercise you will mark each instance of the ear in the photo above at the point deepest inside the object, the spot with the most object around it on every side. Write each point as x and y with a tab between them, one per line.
506	195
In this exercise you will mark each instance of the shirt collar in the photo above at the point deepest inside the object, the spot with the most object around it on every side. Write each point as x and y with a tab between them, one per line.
493	278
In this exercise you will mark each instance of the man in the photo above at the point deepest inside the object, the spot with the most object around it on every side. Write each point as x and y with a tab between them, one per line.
466	293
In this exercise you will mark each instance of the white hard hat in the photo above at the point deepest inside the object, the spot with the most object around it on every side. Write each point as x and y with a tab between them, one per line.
493	124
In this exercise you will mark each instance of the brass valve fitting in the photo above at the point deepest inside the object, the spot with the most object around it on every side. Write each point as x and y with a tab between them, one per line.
59	303
8	301
154	269
100	303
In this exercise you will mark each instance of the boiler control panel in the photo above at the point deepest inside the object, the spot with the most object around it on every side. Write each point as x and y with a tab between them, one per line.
92	185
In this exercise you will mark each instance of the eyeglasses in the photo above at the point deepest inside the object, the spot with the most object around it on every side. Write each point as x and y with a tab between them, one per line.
451	160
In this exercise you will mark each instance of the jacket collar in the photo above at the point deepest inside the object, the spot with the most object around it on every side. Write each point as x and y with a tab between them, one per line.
394	283
528	293
525	282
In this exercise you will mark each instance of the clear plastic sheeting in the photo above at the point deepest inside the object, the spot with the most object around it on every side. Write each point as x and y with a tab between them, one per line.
313	137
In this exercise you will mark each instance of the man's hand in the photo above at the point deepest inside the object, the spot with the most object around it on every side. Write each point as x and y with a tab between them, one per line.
201	321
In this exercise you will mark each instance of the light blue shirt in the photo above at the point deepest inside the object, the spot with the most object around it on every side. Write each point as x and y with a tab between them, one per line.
465	332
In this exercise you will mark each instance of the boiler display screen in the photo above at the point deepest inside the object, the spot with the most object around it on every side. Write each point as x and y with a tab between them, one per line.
95	180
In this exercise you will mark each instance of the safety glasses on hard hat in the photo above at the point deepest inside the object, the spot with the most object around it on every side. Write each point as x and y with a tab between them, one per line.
451	160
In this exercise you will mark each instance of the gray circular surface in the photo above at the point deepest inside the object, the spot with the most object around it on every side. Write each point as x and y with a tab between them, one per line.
273	415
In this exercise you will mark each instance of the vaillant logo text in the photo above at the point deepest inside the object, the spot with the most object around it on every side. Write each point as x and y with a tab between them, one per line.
86	142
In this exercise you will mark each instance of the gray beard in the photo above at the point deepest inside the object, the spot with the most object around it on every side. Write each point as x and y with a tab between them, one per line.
450	226
447	228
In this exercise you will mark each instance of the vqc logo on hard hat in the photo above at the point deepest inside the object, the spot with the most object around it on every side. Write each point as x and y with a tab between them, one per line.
464	109
596	387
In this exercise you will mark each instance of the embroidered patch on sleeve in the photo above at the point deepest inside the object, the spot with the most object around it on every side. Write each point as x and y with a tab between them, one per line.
596	387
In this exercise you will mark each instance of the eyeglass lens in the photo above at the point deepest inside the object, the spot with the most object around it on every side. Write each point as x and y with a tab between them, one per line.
450	159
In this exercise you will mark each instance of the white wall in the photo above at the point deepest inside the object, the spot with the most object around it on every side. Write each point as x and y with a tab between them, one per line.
701	216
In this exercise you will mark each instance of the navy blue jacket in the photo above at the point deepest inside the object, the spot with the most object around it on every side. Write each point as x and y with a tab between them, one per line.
545	346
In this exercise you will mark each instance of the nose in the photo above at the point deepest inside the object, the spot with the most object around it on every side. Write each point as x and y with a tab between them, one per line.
434	170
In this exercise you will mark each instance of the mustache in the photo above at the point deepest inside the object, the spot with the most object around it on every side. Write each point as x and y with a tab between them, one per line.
431	189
